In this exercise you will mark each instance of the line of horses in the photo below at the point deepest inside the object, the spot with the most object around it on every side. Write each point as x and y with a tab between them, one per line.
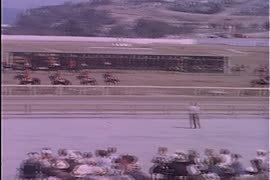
108	79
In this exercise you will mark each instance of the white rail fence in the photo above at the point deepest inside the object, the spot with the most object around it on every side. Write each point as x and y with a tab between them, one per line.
43	90
86	108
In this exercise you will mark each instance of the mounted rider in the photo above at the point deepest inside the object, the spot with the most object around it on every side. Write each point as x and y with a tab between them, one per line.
107	75
85	75
28	75
58	76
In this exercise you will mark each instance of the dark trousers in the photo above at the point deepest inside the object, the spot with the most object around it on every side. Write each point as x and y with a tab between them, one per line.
194	120
197	121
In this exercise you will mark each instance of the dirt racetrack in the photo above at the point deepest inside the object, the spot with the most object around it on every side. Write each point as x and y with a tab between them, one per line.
149	78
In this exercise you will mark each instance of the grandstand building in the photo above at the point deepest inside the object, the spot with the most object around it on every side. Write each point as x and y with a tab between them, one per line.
104	55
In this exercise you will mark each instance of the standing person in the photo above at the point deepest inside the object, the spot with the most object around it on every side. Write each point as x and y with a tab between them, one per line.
196	115
192	112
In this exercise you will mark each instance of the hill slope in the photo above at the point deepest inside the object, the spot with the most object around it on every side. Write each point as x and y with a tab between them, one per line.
144	18
9	15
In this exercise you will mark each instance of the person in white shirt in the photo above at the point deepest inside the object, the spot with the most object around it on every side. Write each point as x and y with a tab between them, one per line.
226	158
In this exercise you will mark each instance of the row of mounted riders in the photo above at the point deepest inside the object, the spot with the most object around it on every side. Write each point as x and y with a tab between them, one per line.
56	79
108	79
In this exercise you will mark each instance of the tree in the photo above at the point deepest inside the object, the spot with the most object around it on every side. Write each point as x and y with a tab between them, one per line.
151	28
72	28
119	31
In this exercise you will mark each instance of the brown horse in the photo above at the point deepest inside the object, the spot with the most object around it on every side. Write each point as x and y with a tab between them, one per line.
111	80
33	81
88	81
61	82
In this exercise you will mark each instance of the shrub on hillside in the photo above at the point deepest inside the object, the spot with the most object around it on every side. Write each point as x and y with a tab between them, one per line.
151	28
120	31
197	7
64	19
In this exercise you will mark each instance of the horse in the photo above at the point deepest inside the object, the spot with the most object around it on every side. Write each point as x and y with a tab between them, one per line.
259	82
88	81
114	81
33	81
19	76
260	70
61	82
81	76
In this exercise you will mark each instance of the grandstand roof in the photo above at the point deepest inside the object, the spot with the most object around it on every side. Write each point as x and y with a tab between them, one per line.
116	46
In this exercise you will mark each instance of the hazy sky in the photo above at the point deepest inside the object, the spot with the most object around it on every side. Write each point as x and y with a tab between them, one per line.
23	4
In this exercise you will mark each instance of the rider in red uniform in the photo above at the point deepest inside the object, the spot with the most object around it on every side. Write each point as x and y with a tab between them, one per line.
58	76
28	75
86	75
108	74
